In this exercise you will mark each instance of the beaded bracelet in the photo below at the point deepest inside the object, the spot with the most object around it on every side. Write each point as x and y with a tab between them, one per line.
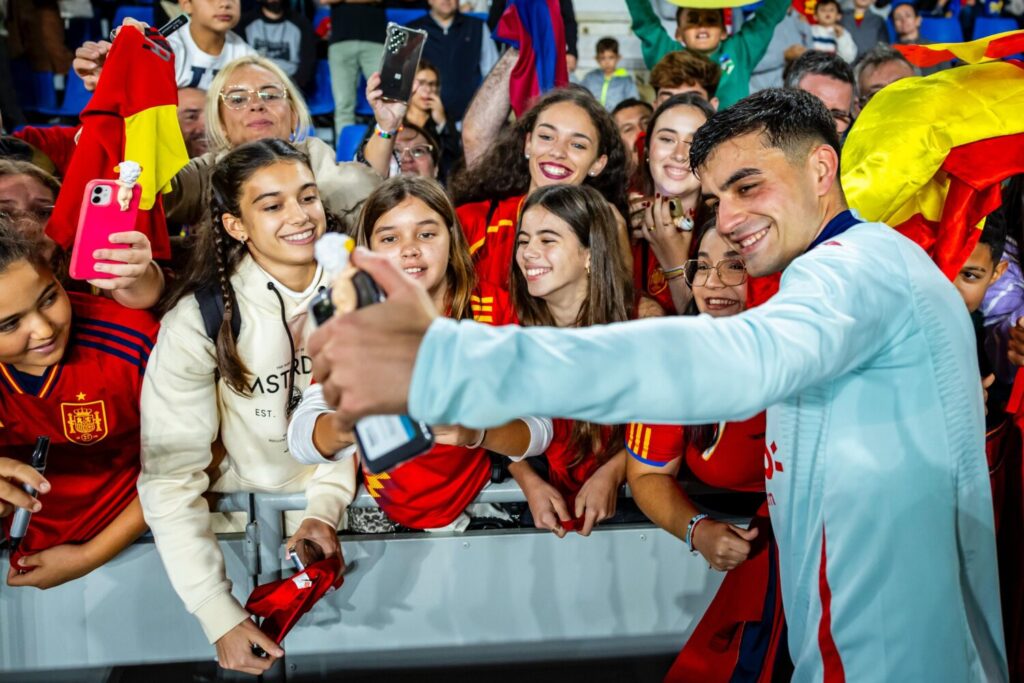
694	521
383	134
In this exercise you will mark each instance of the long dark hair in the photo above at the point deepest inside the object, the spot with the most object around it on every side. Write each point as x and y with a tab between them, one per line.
504	171
214	256
460	273
609	295
687	99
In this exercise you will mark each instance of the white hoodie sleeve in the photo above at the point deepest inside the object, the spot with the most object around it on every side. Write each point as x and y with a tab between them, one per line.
846	48
300	429
179	424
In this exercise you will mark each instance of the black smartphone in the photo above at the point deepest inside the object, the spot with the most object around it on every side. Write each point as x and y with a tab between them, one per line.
402	49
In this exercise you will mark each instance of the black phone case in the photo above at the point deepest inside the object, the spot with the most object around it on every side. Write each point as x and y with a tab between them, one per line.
402	50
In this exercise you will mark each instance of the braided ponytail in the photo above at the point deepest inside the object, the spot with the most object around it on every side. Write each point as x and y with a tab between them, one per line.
202	271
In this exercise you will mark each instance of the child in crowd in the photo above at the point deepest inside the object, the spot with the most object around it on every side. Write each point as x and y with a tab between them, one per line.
567	138
570	272
412	221
865	27
682	72
202	48
277	32
227	372
728	455
71	368
828	35
608	83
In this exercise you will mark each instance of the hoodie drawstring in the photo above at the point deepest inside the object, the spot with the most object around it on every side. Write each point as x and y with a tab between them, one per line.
294	396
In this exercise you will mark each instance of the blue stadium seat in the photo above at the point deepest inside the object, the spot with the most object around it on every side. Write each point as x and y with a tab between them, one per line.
989	26
348	141
403	17
144	14
321	13
321	100
362	106
34	88
75	98
941	30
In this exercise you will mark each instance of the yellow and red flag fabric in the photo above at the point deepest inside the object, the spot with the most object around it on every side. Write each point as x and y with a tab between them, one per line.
985	49
131	116
927	155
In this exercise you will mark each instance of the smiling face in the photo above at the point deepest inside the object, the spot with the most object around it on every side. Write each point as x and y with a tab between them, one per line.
417	240
414	154
769	207
215	15
714	297
563	147
700	30
35	318
258	119
668	151
281	217
553	260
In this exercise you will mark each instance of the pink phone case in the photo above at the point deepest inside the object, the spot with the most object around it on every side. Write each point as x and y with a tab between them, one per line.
100	217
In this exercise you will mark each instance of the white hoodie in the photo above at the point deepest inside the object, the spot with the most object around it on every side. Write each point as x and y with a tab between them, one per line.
184	411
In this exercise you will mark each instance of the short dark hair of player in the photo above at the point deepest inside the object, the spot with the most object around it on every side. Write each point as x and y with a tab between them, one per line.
791	120
17	246
817	62
835	3
631	102
607	45
686	67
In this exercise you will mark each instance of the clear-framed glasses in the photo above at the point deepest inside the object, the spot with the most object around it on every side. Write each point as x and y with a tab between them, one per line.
731	272
240	98
417	152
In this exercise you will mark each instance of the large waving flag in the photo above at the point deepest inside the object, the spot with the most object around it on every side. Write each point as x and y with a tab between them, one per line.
535	28
927	155
132	116
985	49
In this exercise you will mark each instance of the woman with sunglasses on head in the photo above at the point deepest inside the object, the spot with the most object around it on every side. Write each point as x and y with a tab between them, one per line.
747	611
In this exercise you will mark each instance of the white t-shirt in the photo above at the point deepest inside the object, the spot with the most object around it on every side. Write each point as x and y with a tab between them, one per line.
194	68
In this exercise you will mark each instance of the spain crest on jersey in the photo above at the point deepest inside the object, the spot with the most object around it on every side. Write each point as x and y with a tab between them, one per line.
84	423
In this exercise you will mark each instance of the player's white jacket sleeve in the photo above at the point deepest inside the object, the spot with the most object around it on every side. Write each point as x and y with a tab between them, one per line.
831	313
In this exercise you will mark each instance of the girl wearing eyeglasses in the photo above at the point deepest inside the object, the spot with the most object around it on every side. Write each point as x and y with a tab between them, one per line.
747	611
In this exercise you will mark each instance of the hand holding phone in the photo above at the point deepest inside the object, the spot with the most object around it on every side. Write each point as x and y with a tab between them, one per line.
403	47
100	218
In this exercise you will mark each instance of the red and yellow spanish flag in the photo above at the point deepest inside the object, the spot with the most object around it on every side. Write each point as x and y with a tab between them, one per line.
927	155
131	116
985	49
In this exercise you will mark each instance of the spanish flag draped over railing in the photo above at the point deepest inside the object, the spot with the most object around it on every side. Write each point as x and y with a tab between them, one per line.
131	116
927	155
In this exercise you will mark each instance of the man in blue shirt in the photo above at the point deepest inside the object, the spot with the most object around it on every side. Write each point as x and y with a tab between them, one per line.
874	459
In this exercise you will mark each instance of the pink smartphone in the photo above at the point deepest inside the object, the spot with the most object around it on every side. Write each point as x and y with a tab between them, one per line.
100	217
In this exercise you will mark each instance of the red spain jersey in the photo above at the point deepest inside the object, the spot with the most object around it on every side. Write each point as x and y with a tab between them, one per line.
734	460
88	404
565	476
490	230
648	278
432	490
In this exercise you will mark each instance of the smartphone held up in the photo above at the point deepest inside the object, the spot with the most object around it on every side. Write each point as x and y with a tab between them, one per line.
403	47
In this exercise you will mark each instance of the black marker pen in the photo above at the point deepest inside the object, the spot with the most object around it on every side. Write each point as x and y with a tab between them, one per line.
19	525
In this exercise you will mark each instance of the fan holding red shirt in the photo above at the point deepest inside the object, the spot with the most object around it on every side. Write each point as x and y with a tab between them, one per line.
412	221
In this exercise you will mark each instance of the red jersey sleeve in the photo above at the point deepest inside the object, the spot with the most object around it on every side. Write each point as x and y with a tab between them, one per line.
56	142
656	445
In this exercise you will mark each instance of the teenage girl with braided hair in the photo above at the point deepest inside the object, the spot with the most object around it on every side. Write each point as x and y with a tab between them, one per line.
216	411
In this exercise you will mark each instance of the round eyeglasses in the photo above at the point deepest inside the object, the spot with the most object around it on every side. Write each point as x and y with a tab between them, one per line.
240	98
731	272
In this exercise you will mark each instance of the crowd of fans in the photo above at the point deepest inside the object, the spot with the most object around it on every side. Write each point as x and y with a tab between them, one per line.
584	211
